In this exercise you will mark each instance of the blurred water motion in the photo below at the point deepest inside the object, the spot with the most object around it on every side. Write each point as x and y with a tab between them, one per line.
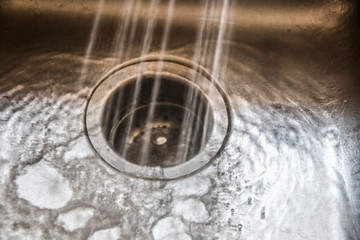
290	169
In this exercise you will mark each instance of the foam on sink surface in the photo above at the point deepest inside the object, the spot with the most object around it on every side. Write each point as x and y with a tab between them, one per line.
44	187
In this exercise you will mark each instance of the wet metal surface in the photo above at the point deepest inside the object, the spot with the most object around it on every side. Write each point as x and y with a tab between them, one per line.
290	169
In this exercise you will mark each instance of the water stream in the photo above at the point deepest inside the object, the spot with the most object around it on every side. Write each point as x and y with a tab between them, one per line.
283	174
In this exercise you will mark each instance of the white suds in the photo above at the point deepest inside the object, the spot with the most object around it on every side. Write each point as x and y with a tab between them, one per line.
44	187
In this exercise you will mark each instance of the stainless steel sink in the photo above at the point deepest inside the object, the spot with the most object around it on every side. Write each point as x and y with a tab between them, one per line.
289	169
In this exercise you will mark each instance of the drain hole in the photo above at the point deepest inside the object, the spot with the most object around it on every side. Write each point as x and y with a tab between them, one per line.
174	134
163	131
160	140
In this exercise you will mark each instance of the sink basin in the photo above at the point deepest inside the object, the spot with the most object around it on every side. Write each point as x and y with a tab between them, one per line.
286	167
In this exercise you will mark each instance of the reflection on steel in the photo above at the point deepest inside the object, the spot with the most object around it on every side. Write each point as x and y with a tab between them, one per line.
254	15
288	170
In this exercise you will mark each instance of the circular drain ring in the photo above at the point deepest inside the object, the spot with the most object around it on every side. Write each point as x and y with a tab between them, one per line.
172	67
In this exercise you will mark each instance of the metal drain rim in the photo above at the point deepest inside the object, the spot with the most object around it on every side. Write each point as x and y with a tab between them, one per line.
113	159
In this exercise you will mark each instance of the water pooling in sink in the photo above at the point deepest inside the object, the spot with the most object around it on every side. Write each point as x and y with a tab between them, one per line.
286	174
283	173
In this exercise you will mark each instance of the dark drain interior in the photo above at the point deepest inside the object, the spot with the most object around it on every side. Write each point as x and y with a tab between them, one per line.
163	129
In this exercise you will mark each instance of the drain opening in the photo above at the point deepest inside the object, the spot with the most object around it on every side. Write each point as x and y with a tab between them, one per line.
165	130
160	140
174	134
